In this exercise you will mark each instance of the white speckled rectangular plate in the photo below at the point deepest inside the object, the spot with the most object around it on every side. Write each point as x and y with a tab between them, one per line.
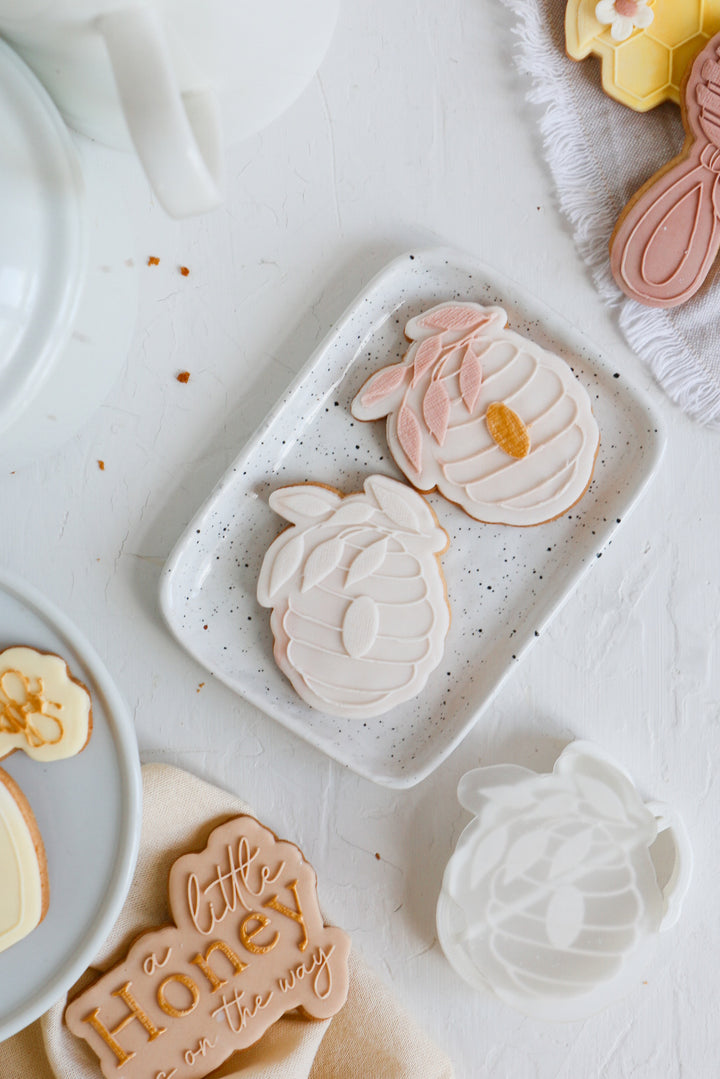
503	583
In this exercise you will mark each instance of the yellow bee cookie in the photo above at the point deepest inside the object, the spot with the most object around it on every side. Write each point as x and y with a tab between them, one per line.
645	46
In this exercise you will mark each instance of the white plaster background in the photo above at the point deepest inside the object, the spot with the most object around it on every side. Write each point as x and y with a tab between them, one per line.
416	130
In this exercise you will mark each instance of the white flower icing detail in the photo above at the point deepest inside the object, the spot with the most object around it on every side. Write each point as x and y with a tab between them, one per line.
551	894
623	16
462	363
359	611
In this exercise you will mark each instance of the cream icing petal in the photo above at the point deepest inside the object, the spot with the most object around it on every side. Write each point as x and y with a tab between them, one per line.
621	28
605	12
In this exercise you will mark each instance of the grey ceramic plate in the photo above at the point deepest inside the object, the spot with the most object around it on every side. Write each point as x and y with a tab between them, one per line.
88	809
503	583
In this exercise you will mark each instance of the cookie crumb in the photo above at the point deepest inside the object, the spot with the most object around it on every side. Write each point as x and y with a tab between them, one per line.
184	271
184	376
153	260
101	465
200	685
377	856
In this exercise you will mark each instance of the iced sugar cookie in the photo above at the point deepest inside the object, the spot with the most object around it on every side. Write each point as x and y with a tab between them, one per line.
646	46
44	711
493	421
24	889
360	613
667	237
249	943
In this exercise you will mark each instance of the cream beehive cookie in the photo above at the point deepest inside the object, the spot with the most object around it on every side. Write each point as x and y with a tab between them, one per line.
496	423
44	711
359	607
24	890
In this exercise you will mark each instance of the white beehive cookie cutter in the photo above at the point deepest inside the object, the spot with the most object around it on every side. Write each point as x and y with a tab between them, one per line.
551	898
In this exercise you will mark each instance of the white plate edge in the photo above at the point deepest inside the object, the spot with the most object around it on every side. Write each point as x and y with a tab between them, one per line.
132	782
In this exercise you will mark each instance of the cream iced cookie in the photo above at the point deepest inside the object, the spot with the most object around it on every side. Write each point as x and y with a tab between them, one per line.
44	711
497	424
248	944
360	611
24	889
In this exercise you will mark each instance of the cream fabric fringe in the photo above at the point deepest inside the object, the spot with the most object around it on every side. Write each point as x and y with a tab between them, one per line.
370	1037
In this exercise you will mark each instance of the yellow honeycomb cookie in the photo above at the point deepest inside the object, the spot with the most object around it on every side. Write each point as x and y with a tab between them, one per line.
645	46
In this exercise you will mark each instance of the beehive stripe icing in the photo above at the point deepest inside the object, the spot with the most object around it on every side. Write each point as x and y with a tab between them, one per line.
359	608
22	866
533	392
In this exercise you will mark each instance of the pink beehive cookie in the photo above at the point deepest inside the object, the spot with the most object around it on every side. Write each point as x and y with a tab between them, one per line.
496	423
359	608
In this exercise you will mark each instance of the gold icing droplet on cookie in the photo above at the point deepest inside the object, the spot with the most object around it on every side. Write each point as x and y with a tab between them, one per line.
508	430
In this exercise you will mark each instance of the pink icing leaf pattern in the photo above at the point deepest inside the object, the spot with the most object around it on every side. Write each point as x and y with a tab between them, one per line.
286	562
455	318
383	384
322	562
410	436
436	411
365	563
470	378
426	355
397	506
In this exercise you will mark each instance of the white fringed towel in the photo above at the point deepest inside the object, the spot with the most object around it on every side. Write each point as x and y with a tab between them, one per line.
600	152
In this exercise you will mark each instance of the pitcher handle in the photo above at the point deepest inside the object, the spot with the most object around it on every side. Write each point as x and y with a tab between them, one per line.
678	883
176	135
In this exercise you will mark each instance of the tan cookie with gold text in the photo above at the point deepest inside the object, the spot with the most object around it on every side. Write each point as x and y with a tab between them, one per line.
249	944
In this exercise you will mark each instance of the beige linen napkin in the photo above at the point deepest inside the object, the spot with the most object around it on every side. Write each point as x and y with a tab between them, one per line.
600	153
179	812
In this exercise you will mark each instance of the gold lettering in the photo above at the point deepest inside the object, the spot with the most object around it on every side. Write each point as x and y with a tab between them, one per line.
136	1012
170	1009
203	961
296	915
248	935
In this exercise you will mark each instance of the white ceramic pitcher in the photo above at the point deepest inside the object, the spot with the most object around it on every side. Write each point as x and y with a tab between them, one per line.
168	76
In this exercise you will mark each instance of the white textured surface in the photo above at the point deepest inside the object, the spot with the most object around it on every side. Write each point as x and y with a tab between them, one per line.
416	130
